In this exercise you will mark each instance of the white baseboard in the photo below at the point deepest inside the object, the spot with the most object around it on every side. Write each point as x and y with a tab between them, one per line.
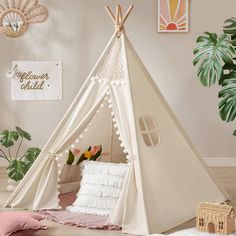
220	161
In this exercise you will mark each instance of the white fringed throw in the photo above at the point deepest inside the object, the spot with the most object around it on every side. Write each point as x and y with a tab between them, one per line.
100	187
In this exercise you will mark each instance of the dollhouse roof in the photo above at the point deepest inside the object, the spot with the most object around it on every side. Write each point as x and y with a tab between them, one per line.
215	208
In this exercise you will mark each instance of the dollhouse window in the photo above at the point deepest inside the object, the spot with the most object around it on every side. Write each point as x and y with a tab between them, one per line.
201	222
149	131
221	225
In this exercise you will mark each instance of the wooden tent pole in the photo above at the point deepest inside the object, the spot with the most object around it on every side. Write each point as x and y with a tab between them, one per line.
120	10
117	19
127	14
110	14
117	14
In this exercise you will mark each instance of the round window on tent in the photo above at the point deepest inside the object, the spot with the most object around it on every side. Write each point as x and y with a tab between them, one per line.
149	131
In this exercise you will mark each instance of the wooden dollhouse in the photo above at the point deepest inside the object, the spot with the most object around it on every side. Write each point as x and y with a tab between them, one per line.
215	218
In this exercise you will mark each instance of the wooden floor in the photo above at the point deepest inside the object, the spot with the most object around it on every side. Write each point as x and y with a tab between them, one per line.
225	175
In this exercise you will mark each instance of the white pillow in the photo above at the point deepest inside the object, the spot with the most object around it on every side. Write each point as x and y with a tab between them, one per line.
99	188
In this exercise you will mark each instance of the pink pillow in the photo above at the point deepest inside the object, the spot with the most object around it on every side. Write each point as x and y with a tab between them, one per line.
11	222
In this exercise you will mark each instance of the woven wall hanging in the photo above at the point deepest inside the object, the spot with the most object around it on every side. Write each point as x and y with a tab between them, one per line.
16	15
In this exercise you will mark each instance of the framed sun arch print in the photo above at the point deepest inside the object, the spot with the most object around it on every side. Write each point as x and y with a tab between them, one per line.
173	16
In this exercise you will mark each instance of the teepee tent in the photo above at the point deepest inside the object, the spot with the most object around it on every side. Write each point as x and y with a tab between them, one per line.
119	101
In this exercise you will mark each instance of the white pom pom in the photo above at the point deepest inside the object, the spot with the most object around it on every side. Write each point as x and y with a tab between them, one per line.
109	100
57	158
86	130
125	151
110	106
105	98
117	82
112	113
72	146
117	132
66	151
60	155
77	140
122	145
97	111
102	105
81	136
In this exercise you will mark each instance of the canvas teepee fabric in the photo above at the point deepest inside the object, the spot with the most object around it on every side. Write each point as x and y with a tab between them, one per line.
166	179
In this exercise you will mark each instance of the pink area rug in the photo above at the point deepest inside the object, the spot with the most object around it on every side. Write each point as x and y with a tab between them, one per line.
80	220
77	219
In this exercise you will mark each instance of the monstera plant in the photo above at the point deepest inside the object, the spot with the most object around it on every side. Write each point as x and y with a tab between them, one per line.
18	164
215	59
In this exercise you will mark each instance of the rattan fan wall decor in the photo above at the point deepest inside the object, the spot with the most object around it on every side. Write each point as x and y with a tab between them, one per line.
16	15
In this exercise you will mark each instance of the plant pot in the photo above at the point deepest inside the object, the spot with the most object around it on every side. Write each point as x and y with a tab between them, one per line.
12	184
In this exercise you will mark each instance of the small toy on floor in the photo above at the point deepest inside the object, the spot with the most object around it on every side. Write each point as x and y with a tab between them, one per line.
215	218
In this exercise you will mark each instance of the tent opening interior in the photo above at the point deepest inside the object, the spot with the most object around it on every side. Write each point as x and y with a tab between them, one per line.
100	130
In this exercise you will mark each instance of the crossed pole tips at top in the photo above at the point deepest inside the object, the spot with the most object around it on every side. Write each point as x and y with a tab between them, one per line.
118	19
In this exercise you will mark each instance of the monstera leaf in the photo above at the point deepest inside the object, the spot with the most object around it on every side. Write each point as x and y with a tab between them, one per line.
227	69
23	133
211	53
230	26
7	138
16	169
227	105
30	156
